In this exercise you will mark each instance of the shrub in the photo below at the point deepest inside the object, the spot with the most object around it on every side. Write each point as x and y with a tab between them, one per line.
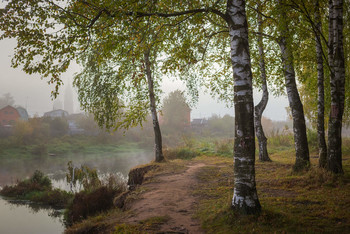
39	178
180	153
224	147
55	198
36	183
86	204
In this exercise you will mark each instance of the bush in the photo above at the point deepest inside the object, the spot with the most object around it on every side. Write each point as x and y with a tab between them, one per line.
38	182
86	204
224	147
180	153
39	178
55	198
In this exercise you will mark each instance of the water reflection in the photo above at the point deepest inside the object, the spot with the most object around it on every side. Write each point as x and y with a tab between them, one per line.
26	217
12	170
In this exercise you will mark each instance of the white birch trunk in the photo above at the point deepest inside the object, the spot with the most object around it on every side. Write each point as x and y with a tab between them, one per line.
157	133
302	159
259	109
337	82
245	198
322	146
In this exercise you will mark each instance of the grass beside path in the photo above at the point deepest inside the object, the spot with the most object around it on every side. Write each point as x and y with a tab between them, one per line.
307	202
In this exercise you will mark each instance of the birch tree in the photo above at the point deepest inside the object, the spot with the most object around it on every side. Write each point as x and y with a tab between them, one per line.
245	197
322	146
337	82
260	107
302	159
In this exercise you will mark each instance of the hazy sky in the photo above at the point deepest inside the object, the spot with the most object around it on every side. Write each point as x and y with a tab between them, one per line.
35	94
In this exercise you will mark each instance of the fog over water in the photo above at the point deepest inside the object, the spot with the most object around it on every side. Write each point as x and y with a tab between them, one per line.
12	170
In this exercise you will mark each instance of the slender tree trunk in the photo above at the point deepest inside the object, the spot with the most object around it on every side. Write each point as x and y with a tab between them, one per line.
259	109
157	134
245	199
337	82
322	146
302	159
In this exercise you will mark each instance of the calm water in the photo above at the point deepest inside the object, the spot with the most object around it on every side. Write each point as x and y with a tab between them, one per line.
21	218
28	218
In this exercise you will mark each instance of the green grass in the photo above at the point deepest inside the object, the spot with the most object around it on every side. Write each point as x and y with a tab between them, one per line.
307	202
66	145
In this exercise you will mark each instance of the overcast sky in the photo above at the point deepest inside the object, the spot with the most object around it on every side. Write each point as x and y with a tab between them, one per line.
35	94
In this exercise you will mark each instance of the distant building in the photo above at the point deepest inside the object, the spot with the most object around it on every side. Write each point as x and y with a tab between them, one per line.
56	114
199	122
74	129
8	115
23	113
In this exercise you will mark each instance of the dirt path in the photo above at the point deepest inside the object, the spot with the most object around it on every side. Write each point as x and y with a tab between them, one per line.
170	196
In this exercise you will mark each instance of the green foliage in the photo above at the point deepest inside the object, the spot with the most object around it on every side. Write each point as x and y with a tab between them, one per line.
55	198
39	178
83	176
224	147
38	188
175	112
221	126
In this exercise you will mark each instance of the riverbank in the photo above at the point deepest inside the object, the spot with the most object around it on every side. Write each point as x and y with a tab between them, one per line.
194	196
66	145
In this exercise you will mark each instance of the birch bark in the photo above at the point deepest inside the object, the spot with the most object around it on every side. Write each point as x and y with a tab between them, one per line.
245	198
259	109
157	134
337	83
302	159
322	147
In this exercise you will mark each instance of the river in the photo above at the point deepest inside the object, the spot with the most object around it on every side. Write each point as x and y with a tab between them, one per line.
24	217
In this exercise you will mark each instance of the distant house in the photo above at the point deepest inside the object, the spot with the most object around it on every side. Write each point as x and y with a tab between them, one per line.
199	122
23	113
56	114
8	115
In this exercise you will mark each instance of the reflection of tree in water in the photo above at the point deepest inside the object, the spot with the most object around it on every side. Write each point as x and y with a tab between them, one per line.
35	207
